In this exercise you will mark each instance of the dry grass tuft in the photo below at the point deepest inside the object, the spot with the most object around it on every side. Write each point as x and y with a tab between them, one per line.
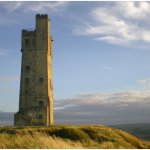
36	140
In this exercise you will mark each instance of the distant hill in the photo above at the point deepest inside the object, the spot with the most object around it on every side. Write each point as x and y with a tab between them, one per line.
83	136
6	118
139	130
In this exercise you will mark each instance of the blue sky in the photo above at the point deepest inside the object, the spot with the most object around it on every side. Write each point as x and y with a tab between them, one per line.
101	54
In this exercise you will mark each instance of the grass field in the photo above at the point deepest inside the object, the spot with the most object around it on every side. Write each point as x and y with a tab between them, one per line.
90	136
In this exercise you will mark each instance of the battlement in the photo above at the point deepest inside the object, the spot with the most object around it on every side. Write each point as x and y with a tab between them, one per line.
42	16
28	32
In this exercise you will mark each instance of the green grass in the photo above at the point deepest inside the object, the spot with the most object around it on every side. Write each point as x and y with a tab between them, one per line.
90	136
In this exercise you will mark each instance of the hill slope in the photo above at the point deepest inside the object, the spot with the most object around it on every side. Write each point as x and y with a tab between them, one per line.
90	136
141	131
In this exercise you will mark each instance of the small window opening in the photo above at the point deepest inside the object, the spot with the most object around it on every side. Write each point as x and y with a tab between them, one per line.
41	80
27	68
33	42
26	42
41	103
40	116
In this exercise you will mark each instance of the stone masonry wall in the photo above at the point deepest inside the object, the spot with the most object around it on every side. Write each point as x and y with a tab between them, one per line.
36	91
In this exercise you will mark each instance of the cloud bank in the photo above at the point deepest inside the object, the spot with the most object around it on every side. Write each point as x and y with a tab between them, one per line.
11	12
39	6
106	108
121	23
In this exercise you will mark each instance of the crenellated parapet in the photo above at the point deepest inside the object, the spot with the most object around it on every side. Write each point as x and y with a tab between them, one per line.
42	16
28	33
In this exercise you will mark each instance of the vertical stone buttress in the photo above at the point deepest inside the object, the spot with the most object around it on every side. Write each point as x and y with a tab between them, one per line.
36	91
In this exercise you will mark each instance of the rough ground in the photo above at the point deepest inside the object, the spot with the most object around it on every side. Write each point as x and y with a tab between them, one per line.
84	136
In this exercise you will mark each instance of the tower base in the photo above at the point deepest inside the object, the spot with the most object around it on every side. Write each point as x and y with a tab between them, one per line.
21	120
33	116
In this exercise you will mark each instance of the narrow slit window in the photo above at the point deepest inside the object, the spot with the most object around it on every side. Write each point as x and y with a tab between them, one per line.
41	103
41	80
33	42
27	42
27	68
40	116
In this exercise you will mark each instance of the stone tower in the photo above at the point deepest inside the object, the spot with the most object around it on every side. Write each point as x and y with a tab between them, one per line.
36	91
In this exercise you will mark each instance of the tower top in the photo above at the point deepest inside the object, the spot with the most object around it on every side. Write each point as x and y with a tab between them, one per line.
31	31
42	16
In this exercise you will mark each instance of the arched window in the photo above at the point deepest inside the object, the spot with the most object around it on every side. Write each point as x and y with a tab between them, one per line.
41	103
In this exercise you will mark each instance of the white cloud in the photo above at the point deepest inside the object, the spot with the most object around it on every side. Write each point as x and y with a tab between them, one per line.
30	6
106	67
12	12
51	6
105	108
63	107
11	6
122	23
138	10
144	84
106	99
144	81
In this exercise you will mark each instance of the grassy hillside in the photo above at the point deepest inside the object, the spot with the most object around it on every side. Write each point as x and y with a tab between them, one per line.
141	131
90	136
